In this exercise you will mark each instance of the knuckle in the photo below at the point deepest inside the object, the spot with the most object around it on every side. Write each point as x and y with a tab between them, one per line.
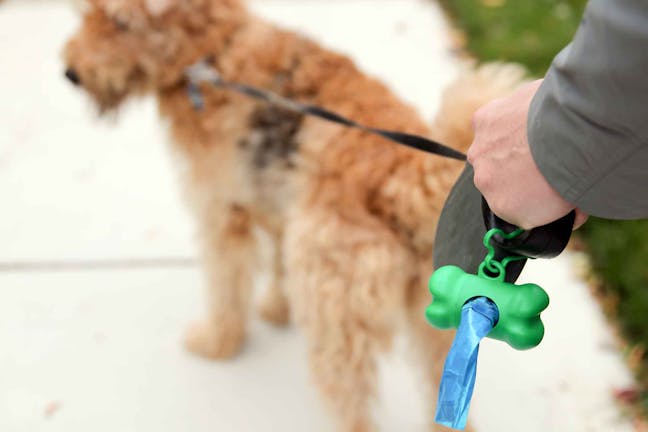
525	224
482	179
473	153
481	115
501	208
470	154
497	207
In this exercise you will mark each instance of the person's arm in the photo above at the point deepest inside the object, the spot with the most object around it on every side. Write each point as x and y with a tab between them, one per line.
587	126
588	122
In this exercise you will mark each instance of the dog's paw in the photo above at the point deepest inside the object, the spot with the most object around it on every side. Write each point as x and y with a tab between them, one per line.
274	308
358	425
215	342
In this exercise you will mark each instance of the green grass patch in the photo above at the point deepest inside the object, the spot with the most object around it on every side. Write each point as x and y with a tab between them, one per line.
532	32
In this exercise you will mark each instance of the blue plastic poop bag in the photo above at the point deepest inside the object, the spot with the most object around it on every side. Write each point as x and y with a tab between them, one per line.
478	317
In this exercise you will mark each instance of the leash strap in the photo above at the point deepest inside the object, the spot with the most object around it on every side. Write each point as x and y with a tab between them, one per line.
203	72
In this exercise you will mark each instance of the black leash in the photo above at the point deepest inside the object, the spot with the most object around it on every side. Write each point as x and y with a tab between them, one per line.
203	72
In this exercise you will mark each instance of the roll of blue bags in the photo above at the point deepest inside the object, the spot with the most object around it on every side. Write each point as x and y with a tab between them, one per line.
478	317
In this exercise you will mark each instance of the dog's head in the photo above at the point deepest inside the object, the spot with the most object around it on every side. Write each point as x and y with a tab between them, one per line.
127	47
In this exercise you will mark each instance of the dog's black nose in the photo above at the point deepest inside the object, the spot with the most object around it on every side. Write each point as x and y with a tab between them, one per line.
73	76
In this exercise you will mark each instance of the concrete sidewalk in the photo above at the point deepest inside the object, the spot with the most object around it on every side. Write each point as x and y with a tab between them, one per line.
100	349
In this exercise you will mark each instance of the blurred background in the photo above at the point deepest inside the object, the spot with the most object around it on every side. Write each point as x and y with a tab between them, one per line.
98	275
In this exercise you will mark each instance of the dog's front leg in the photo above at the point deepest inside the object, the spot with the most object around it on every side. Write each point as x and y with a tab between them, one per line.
228	252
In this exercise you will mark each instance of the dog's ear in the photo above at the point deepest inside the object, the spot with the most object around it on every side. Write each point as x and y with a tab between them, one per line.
158	7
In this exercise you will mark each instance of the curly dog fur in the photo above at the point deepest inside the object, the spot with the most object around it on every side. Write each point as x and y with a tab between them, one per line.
352	216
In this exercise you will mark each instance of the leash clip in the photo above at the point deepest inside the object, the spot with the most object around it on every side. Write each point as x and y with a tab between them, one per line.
197	74
201	72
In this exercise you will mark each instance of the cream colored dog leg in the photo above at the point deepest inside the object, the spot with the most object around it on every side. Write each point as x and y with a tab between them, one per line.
229	252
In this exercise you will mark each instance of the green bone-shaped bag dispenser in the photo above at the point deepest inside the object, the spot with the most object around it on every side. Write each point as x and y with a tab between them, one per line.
519	306
488	303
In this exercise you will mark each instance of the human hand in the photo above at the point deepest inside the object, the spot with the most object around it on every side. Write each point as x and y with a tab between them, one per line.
505	172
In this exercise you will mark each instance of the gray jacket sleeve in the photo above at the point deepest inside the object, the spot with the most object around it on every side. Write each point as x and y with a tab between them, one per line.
588	122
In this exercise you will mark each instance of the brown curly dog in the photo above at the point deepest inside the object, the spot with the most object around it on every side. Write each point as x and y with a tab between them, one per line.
352	216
